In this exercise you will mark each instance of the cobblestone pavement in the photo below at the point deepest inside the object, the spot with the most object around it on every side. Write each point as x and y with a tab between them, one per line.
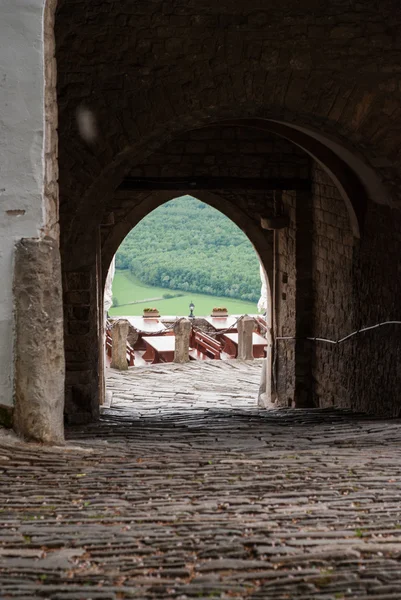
186	490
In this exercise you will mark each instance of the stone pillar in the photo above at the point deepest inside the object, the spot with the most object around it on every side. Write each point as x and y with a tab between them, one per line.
81	342
304	300
39	345
245	345
101	320
265	399
284	304
182	330
119	335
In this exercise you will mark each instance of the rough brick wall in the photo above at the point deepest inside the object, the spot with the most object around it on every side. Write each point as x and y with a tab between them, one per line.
225	152
375	383
334	311
285	303
80	341
356	284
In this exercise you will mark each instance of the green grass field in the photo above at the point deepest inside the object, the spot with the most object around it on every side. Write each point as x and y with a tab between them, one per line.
126	288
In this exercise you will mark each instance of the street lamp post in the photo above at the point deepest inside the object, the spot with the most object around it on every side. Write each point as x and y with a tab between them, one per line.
191	310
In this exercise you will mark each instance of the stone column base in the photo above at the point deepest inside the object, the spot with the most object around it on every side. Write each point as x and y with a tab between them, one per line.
39	346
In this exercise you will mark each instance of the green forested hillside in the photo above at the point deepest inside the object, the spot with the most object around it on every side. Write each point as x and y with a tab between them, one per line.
188	245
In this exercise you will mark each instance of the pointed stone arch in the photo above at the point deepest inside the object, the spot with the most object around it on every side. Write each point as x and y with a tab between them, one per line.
261	239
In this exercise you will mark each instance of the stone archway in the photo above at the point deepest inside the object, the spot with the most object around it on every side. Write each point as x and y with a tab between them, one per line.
292	304
141	105
261	240
116	224
358	183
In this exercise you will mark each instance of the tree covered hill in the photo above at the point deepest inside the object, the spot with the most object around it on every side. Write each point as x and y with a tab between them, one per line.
190	246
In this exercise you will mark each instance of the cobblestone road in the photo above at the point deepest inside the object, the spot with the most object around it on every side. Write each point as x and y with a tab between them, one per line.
186	490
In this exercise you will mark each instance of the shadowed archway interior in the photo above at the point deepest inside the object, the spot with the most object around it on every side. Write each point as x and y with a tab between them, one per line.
191	111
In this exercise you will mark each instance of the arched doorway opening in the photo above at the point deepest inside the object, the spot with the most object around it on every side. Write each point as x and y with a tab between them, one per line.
311	215
229	265
187	246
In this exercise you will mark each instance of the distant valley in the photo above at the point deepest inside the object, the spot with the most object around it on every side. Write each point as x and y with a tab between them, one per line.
184	250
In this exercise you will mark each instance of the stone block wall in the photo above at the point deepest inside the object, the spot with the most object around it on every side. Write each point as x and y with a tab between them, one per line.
330	283
81	339
51	196
285	303
226	152
356	283
375	382
334	312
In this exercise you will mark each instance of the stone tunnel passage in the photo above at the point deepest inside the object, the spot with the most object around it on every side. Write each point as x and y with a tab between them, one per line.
244	207
210	89
203	498
319	265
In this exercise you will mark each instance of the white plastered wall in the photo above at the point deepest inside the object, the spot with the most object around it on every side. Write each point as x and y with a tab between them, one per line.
21	154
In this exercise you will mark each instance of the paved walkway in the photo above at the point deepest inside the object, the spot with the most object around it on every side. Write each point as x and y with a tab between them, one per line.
185	490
